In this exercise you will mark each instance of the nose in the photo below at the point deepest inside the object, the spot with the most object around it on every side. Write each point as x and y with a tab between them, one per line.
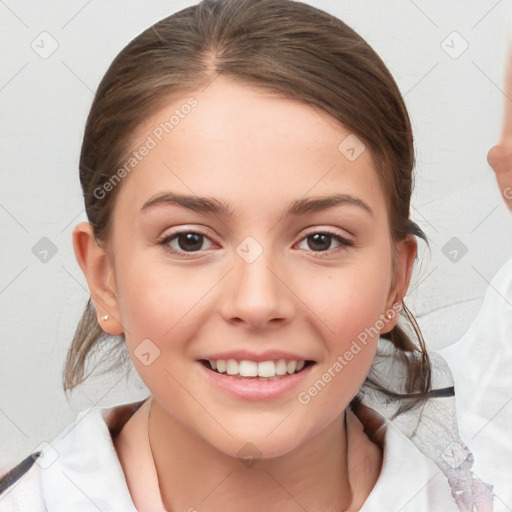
257	293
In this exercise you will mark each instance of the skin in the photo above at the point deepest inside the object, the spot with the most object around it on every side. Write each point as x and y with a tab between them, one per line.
257	152
500	155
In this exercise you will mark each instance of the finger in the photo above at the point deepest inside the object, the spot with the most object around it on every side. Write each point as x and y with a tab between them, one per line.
506	132
500	159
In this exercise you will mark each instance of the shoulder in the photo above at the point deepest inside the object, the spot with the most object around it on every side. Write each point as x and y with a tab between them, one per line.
20	487
480	361
78	470
408	479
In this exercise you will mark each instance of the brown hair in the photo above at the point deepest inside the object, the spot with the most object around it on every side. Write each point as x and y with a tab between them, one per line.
284	46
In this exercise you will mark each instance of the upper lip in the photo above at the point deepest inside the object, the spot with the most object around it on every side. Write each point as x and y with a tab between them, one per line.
269	355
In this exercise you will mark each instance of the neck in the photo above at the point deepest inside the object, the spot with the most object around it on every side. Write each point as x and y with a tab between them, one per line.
318	475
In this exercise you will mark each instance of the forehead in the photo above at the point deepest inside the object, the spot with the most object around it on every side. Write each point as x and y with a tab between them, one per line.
249	146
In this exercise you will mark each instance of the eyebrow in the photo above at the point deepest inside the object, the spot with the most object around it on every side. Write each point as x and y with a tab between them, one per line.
296	208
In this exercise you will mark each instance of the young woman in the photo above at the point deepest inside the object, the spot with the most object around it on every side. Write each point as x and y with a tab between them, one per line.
247	173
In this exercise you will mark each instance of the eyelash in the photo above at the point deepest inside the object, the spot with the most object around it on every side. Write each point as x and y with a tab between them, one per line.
344	242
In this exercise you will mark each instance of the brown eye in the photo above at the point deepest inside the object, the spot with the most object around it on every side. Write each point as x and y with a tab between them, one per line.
183	242
322	242
319	241
190	241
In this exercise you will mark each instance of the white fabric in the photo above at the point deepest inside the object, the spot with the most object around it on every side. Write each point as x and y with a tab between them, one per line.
87	475
481	363
409	481
432	426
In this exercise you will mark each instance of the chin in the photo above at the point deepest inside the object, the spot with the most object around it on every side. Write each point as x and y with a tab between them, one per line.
257	443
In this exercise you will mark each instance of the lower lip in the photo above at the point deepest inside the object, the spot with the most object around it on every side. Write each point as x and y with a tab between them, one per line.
251	389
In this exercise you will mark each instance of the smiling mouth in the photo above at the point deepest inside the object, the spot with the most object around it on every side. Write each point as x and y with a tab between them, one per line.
235	372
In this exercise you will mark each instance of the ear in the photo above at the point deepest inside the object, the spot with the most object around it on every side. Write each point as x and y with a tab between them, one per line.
98	271
406	252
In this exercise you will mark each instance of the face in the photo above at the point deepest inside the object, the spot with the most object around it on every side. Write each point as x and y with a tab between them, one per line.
254	281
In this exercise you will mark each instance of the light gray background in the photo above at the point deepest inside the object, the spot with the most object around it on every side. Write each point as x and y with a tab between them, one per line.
455	105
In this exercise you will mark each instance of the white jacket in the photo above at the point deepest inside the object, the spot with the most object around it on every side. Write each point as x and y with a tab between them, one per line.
86	476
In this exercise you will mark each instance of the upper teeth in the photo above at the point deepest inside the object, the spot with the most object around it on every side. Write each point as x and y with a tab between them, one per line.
246	368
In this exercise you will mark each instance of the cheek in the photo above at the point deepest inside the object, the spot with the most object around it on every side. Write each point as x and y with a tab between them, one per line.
156	300
159	308
349	315
349	304
165	303
352	298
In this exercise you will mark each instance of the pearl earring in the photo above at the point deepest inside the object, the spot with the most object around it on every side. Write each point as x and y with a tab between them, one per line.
105	317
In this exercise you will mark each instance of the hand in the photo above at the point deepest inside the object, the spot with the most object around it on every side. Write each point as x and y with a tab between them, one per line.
500	155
